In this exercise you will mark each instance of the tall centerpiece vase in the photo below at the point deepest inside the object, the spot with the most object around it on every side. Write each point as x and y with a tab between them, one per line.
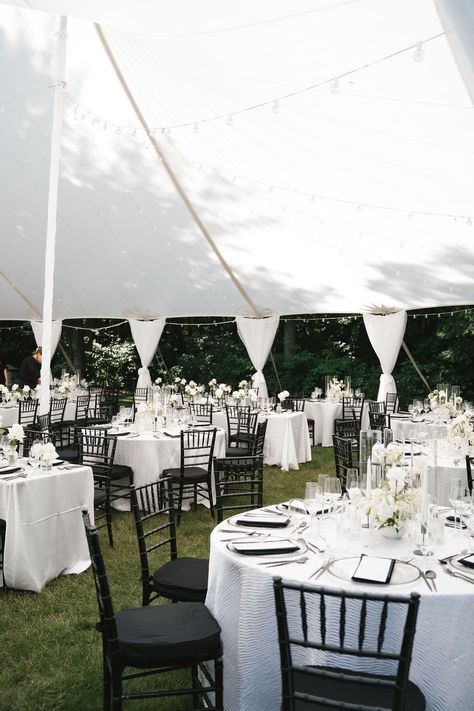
12	455
369	472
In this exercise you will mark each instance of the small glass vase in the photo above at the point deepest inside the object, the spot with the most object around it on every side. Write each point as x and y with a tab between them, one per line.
46	465
392	533
279	407
12	456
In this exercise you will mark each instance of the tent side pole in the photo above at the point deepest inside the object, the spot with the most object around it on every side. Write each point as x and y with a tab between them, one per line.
55	156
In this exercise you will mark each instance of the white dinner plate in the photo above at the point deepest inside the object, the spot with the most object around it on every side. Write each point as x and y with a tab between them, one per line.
344	568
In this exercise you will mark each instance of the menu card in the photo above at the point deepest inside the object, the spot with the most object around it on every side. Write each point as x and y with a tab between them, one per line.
372	569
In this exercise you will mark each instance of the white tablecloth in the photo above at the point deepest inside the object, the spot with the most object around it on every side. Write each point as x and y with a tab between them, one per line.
240	596
45	533
148	456
9	415
323	414
287	440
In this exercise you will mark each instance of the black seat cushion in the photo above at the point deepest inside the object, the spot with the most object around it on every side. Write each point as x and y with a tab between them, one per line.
353	692
238	452
190	474
167	634
68	454
122	471
183	579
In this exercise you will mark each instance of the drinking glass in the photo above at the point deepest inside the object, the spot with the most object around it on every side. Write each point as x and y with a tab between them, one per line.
455	494
353	485
423	539
332	491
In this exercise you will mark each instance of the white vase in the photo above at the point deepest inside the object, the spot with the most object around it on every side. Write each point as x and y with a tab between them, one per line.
12	456
391	532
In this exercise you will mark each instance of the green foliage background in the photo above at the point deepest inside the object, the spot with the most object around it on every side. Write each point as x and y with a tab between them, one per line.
441	347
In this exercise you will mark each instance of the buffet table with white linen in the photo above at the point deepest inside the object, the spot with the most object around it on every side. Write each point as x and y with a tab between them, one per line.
148	453
44	528
240	596
287	442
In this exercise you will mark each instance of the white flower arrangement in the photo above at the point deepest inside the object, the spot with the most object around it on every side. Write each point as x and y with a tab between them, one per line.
395	500
145	409
391	455
191	390
158	382
441	407
238	395
43	452
335	389
253	395
16	434
243	384
461	434
17	392
174	399
212	383
219	393
283	395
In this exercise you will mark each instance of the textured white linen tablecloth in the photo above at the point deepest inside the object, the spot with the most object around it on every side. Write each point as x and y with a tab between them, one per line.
287	440
45	533
240	596
148	456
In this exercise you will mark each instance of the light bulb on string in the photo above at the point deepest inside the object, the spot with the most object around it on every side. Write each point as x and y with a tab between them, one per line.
105	126
335	86
418	54
195	128
118	131
469	222
276	107
229	120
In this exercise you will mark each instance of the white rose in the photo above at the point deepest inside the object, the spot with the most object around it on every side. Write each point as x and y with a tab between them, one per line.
158	381
49	452
236	395
219	393
16	433
183	381
177	380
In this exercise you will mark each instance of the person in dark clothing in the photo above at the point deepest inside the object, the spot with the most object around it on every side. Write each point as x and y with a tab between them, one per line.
30	369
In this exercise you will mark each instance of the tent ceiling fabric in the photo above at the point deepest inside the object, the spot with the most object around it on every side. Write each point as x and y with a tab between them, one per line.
319	203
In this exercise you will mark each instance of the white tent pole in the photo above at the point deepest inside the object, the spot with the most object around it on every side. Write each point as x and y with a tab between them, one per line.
55	155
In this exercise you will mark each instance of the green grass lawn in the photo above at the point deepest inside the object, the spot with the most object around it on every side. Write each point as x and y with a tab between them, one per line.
50	652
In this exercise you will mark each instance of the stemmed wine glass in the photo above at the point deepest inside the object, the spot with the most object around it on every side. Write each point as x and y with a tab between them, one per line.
423	539
314	501
332	491
455	495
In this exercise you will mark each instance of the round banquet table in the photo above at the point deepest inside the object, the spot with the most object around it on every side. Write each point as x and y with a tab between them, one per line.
151	452
287	442
45	533
240	596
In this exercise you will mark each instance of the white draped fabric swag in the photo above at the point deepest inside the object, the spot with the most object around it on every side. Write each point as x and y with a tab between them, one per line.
386	333
258	335
146	336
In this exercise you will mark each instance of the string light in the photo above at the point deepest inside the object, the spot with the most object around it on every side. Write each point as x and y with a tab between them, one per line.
332	81
418	54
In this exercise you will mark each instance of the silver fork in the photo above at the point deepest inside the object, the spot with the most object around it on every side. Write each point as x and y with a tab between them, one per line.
275	563
19	475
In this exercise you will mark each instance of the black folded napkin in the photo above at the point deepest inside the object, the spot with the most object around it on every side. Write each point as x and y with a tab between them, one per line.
10	470
263	522
264	547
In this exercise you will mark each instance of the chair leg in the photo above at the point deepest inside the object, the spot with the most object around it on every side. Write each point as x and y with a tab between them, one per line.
108	518
107	681
180	502
195	686
219	684
211	500
116	691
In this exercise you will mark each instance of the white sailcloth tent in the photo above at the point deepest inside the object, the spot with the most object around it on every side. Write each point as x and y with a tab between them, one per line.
326	147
